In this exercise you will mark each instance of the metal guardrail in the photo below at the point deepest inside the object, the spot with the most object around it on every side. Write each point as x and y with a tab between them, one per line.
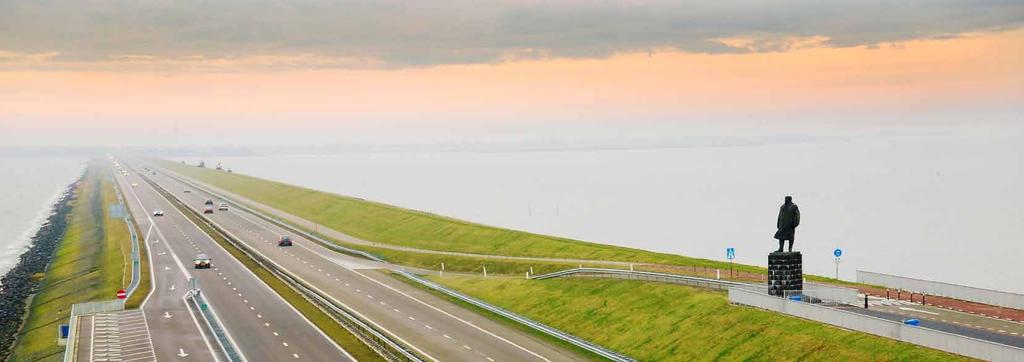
282	224
213	324
377	340
643	275
70	351
579	342
136	261
571	339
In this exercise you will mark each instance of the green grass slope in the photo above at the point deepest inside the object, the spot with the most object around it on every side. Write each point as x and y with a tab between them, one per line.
88	265
393	225
665	322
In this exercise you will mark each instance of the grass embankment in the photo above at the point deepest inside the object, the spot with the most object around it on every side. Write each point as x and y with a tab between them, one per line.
397	226
88	265
653	321
335	331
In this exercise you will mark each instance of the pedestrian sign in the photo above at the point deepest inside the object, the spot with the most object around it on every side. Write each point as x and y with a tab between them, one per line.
730	253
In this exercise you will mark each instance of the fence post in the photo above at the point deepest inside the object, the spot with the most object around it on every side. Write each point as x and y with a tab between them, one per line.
485	271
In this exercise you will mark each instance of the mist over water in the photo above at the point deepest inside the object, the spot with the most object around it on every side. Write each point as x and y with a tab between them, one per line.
940	206
30	185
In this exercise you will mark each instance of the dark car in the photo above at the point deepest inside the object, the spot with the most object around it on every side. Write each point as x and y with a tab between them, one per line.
285	241
209	202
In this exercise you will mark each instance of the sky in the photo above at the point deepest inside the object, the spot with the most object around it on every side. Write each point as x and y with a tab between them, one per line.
188	73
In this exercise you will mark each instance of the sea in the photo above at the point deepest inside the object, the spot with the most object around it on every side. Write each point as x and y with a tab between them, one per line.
29	187
945	206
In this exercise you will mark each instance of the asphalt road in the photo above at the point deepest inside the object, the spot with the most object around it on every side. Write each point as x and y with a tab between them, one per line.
436	328
261	323
942	325
179	334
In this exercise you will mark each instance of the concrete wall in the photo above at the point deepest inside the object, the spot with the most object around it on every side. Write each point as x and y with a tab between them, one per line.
917	335
834	293
962	292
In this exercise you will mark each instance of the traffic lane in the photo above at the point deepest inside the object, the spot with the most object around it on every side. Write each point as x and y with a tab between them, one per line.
180	333
945	327
418	320
262	324
954	317
437	330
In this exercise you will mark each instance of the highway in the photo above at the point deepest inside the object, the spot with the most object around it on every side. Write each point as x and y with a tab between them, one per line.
435	328
180	333
259	322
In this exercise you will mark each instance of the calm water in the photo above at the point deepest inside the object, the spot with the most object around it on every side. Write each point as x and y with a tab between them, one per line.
30	187
940	207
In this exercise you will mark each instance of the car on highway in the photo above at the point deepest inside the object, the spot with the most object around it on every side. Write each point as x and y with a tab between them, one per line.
223	206
208	209
135	185
285	241
187	191
201	261
208	202
158	212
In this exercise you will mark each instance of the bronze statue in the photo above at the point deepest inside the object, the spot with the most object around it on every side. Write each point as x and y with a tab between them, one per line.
789	219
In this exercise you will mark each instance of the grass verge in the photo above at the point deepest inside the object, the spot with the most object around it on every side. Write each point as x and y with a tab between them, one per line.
653	321
88	265
335	331
397	226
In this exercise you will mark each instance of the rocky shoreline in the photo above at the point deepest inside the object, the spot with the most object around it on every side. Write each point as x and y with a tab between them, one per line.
19	284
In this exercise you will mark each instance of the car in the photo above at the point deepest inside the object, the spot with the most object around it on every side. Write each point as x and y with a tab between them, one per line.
208	209
201	261
284	241
208	202
135	185
223	206
158	212
187	191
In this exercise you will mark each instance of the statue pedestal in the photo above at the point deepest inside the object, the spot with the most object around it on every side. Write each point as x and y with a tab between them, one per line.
785	273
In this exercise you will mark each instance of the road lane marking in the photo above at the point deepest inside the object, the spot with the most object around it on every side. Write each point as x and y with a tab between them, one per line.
918	310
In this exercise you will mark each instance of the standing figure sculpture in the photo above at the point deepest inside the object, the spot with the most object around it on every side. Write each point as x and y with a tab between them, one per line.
789	219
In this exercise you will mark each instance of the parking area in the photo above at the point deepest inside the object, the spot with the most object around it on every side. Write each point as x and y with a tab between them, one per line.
114	336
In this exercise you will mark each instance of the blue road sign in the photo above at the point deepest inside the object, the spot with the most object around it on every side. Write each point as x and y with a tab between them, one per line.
64	331
730	253
838	252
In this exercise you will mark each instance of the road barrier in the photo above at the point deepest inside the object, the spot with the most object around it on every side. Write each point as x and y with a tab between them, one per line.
386	346
213	324
280	223
922	336
956	291
78	309
579	342
642	275
571	339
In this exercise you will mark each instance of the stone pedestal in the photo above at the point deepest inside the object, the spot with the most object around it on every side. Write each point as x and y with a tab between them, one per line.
785	273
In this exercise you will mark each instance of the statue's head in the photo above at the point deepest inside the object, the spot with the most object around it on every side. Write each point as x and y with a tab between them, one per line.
789	199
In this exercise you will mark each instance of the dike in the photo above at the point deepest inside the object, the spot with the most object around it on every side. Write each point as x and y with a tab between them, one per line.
22	281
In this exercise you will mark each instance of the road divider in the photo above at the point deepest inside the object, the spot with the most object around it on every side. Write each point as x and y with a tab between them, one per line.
540	327
386	346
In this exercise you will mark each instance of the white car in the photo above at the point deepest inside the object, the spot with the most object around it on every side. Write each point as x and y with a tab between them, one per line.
223	206
158	212
135	185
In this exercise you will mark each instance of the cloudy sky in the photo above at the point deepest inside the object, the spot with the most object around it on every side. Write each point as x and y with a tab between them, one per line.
293	72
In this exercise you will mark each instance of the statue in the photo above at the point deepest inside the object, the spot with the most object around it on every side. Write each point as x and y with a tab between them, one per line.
789	219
